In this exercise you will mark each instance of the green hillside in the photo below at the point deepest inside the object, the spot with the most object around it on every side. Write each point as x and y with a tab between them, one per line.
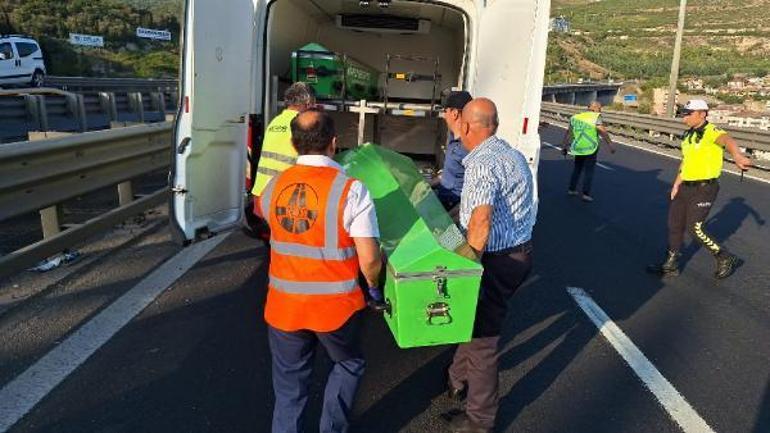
634	39
51	22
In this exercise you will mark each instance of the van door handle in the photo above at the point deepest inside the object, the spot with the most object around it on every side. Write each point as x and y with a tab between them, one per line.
183	145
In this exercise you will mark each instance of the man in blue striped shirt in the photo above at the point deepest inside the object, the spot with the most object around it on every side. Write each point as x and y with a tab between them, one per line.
497	212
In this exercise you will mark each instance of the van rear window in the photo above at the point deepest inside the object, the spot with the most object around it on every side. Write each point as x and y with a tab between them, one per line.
26	49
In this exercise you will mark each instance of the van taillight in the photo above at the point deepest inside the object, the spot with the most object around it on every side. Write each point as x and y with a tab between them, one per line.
526	125
310	74
186	104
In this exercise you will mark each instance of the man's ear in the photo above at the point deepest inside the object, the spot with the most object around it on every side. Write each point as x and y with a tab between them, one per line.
334	145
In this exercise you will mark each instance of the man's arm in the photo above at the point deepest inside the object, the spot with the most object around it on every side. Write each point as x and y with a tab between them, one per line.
369	259
606	136
479	227
677	182
567	140
732	146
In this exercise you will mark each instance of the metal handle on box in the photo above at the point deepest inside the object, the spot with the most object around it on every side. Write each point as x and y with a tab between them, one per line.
436	310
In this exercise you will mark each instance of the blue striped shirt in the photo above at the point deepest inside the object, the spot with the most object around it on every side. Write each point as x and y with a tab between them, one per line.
498	175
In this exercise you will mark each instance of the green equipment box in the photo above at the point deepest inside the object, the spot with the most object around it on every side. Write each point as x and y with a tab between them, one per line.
326	71
431	287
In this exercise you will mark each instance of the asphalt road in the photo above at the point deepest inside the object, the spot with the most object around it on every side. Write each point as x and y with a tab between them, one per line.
196	359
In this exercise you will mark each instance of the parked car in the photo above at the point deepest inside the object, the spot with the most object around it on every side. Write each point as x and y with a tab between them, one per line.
21	62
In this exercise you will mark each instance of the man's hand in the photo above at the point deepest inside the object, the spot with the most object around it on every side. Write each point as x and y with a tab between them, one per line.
675	190
742	162
564	151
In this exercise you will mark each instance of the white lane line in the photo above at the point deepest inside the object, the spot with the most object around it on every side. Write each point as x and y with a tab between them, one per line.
606	167
20	395
673	402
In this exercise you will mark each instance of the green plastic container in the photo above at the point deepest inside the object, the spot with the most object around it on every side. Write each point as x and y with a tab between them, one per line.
324	70
432	288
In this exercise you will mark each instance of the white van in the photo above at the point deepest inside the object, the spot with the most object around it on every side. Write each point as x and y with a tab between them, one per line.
237	54
21	61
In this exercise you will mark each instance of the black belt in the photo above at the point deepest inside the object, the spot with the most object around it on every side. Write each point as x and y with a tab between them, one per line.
703	182
524	247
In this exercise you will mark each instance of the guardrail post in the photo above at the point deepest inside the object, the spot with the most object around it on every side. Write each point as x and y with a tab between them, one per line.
77	107
42	113
107	100
159	102
135	101
125	193
49	219
33	109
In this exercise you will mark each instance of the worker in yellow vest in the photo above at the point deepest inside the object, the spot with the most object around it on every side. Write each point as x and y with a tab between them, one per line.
582	141
277	152
696	187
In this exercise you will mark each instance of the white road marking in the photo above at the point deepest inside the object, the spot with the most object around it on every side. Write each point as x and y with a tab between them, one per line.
606	167
673	402
20	395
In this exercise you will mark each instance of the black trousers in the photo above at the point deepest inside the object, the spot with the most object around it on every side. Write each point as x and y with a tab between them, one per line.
475	363
688	212
587	163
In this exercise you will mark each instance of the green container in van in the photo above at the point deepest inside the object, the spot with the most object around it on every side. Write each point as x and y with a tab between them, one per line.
326	70
431	286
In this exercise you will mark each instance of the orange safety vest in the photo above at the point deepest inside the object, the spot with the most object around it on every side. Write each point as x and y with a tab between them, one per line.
313	262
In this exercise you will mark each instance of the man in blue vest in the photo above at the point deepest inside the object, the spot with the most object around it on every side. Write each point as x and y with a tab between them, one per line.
582	141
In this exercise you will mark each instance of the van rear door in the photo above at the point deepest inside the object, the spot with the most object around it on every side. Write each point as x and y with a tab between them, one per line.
510	58
220	67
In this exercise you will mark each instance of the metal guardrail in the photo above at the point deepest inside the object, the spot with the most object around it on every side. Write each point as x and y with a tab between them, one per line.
111	84
41	175
660	131
48	109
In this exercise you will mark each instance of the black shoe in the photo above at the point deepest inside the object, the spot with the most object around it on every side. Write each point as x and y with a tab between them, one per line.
726	264
669	267
462	424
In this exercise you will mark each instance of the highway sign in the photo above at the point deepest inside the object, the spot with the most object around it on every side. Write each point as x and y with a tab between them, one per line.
86	40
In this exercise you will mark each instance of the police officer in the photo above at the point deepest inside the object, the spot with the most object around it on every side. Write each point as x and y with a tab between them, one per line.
696	187
582	141
277	153
324	232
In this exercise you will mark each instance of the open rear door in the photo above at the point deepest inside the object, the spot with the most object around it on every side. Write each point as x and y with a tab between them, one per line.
511	41
219	72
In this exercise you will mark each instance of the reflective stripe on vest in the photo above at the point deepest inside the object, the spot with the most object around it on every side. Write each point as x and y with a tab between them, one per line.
585	137
277	153
314	287
702	159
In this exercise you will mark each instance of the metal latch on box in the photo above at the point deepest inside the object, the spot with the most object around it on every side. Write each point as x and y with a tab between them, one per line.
439	277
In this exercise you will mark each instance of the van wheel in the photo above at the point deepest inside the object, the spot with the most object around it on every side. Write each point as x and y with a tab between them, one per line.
37	79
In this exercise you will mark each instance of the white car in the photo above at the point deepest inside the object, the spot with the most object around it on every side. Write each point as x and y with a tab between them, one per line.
21	61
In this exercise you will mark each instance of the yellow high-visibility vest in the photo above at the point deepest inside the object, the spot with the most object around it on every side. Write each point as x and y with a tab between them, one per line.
278	153
585	137
702	155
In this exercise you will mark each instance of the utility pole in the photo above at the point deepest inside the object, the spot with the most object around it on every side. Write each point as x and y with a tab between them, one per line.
671	106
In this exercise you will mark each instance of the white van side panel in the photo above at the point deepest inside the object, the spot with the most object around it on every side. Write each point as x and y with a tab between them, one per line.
508	67
218	77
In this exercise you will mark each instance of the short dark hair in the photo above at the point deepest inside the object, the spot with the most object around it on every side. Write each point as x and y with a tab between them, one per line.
312	132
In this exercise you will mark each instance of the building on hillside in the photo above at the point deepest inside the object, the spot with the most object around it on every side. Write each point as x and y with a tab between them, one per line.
747	119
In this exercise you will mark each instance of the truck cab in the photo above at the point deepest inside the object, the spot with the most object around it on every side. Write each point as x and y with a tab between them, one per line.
238	57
